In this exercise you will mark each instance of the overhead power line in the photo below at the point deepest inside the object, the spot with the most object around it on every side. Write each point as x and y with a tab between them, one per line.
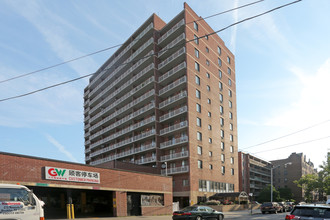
112	47
133	61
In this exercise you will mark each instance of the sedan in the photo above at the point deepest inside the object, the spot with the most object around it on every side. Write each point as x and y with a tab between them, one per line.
197	213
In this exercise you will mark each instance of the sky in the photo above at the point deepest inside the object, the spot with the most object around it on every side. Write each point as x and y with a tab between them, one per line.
282	70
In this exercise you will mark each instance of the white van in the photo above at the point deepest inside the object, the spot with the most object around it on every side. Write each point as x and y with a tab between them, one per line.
17	202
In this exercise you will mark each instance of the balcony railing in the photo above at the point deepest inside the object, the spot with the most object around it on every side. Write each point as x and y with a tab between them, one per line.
173	85
175	127
136	150
150	26
173	99
145	160
125	85
176	170
173	113
174	156
172	44
169	32
173	142
259	172
172	57
172	71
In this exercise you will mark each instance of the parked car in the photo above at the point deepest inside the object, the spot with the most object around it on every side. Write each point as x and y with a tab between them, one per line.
290	206
270	207
285	207
197	213
311	211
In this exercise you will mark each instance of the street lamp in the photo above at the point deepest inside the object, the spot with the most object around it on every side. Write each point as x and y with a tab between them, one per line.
271	179
164	165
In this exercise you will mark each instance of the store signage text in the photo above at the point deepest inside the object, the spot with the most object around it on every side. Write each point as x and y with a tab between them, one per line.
63	174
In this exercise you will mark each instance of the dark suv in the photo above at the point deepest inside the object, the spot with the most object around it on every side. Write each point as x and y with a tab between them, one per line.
270	207
313	211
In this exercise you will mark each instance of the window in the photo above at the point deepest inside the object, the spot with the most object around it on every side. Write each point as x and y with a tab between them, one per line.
207	75
219	50
222	122
197	66
197	80
207	37
198	108
208	88
200	164
219	62
232	160
208	62
221	109
209	127
230	93
185	182
211	167
228	59
199	136
220	74
231	149
223	170
196	39
199	150
229	71
207	49
221	97
210	153
232	171
231	138
222	157
195	26
222	133
230	104
220	86
209	114
230	115
209	101
198	94
196	53
231	126
199	122
210	140
229	82
222	146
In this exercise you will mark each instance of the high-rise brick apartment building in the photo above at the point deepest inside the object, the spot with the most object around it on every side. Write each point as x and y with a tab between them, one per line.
162	102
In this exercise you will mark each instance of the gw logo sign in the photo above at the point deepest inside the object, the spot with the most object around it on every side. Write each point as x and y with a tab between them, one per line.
56	172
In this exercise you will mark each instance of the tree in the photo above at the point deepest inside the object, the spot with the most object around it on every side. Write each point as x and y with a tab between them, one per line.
285	194
264	195
309	183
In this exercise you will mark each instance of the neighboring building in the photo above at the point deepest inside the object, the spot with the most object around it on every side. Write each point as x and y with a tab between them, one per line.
161	102
94	191
290	169
254	173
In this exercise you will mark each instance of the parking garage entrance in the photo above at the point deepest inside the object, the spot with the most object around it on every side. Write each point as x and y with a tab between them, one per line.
87	203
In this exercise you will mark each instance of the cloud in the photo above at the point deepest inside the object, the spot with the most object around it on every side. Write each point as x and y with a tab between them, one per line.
61	148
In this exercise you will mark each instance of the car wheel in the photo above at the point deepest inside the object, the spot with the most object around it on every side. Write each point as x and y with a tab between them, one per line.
198	218
275	212
220	217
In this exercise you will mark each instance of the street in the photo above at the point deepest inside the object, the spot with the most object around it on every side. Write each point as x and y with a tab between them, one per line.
246	215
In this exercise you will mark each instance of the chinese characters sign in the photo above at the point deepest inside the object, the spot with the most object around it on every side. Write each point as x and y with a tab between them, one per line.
62	174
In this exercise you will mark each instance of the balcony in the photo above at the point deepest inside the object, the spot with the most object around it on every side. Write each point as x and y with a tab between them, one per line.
175	156
173	99
176	170
149	27
123	86
169	32
136	150
103	160
172	44
172	114
173	57
174	142
87	150
172	73
176	84
174	128
259	172
145	160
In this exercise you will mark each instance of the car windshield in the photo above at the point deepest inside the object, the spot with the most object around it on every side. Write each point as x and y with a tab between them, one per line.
10	194
189	208
267	204
312	212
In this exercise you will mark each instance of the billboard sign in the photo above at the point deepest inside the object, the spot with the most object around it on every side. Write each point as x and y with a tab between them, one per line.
63	174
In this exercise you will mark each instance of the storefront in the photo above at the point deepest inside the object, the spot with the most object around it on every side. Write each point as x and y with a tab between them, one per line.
94	192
